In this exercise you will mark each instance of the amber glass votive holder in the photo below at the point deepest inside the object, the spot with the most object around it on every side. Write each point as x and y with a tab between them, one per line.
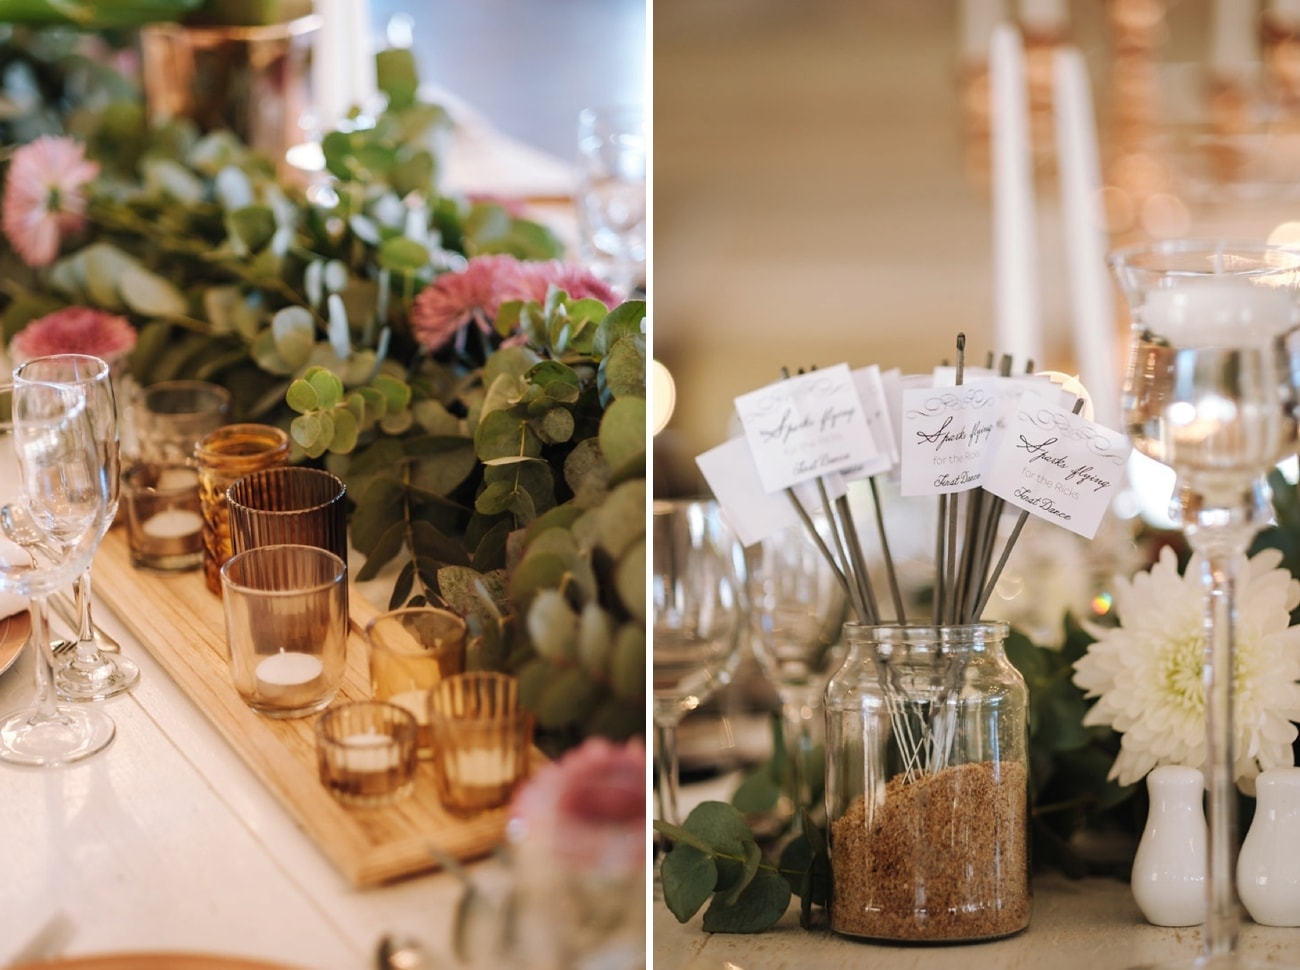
366	752
286	627
481	740
294	504
412	650
224	456
164	524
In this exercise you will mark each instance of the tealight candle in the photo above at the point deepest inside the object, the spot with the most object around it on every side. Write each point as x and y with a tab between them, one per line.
369	751
173	524
366	752
288	678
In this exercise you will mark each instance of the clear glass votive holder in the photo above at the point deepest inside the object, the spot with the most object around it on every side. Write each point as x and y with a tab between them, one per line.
481	740
291	504
286	627
366	752
411	651
164	524
224	456
172	417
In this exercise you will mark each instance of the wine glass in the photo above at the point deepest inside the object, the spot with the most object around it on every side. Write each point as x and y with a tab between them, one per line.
611	194
1211	392
62	486
699	613
799	606
91	674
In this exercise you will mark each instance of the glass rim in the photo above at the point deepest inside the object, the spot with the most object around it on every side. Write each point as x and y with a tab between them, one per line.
388	616
99	369
1127	258
281	472
339	576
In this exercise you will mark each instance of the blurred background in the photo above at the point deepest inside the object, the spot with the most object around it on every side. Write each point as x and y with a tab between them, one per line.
821	182
529	65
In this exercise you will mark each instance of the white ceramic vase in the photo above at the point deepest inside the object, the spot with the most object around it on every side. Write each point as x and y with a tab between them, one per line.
1268	868
1168	879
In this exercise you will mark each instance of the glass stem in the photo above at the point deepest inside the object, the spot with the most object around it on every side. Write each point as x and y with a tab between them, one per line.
47	707
666	760
1218	574
87	649
799	744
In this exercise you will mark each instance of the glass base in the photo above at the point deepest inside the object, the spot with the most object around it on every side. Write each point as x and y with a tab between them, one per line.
110	677
70	734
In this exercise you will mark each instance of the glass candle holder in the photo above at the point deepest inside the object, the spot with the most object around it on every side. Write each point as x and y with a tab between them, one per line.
366	752
286	627
164	523
223	457
411	652
172	417
305	506
481	740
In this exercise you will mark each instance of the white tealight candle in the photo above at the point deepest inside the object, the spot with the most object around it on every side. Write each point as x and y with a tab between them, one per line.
416	701
370	751
289	669
173	524
173	478
483	767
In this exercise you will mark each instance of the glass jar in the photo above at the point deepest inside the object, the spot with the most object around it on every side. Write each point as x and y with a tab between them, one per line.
224	456
927	785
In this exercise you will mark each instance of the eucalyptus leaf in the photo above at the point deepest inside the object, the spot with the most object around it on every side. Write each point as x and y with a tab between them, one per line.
622	431
149	294
688	876
553	626
760	905
568	698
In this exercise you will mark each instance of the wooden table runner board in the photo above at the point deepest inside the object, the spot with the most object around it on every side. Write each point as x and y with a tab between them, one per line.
182	624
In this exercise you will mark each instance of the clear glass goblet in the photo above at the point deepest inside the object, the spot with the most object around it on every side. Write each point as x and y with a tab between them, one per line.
1211	392
699	613
60	484
798	607
91	674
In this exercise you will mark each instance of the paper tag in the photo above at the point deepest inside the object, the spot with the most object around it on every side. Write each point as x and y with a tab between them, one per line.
945	434
752	513
875	408
1058	466
806	426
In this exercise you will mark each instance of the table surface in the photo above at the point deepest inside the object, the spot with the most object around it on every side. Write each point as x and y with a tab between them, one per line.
1088	924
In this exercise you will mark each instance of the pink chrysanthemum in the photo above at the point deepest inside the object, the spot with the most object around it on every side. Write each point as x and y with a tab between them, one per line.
44	198
474	294
75	330
587	810
579	283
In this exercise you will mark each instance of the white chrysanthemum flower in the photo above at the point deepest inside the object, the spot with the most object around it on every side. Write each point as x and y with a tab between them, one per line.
1147	672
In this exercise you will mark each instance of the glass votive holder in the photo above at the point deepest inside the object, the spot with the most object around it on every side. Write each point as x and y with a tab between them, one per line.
164	526
172	417
286	627
224	456
293	504
481	740
411	651
366	752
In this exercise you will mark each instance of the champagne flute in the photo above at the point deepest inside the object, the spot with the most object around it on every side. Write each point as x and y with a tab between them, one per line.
1211	392
698	617
799	607
91	674
62	478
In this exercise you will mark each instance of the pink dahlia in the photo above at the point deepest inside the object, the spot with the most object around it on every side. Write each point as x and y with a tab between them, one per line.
579	283
44	198
75	330
587	809
474	294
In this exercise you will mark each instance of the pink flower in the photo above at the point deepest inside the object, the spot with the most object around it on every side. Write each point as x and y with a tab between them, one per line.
579	283
473	294
587	810
44	198
75	330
